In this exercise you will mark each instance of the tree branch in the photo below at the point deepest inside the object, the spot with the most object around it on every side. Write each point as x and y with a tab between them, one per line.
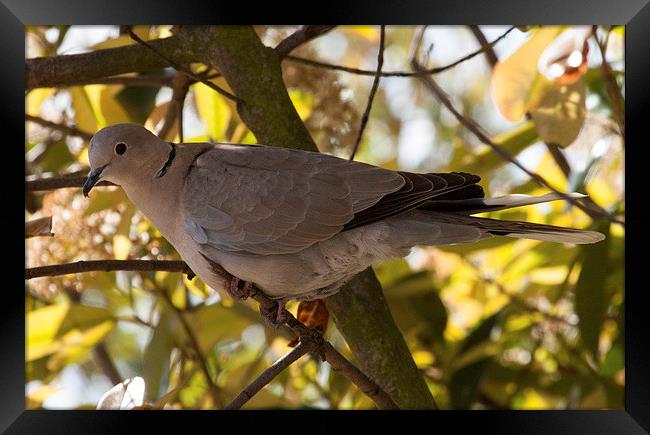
181	68
488	49
67	70
60	182
70	131
373	90
270	373
473	127
109	266
300	37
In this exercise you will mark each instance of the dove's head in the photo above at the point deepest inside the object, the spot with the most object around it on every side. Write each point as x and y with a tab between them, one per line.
124	152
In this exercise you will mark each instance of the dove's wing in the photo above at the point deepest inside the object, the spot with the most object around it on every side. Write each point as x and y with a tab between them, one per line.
267	200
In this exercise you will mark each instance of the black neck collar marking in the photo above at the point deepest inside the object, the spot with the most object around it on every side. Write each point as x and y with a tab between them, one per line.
168	163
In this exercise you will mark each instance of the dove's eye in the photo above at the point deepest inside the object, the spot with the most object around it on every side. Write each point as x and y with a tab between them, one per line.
120	148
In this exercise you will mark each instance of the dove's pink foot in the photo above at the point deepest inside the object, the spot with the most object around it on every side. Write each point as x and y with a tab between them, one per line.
275	316
242	293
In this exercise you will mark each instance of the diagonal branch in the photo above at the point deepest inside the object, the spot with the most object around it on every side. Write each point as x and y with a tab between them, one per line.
473	127
300	37
270	373
71	131
373	90
178	67
66	70
488	49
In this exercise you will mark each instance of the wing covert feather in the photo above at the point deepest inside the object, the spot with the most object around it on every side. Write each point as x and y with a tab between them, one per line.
268	200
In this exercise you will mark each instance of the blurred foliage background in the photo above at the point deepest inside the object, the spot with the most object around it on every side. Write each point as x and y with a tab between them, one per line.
499	324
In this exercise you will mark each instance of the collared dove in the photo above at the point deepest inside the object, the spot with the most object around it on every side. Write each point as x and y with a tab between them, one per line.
297	224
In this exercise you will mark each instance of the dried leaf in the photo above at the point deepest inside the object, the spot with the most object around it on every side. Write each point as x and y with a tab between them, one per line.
312	314
560	113
565	59
514	77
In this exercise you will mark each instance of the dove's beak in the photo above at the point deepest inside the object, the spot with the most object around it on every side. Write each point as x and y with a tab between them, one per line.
93	178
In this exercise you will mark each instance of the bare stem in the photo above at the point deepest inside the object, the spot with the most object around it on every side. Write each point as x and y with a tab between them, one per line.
471	125
430	71
373	90
270	373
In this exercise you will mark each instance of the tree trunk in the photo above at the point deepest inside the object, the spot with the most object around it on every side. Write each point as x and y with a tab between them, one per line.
359	310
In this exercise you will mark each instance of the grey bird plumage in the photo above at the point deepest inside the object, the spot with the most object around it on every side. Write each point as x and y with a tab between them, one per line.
298	224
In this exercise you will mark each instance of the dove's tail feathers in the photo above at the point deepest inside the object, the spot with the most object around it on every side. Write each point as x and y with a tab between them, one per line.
480	205
521	230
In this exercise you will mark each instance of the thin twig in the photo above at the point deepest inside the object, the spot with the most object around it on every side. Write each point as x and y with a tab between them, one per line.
326	350
300	37
203	364
270	373
490	55
109	266
183	69
615	97
373	90
71	131
430	71
105	363
473	127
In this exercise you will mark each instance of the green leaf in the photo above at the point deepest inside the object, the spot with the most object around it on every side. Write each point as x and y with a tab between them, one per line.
103	199
215	322
138	101
55	157
464	382
156	355
83	110
590	303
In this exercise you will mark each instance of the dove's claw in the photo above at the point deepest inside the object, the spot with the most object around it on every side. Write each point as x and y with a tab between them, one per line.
240	293
275	316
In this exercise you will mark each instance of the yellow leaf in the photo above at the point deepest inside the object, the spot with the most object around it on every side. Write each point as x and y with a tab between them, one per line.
121	247
513	78
560	113
549	275
423	358
83	109
303	102
601	192
83	157
369	33
46	326
214	111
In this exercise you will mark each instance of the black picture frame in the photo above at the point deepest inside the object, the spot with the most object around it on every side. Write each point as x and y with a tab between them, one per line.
635	14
